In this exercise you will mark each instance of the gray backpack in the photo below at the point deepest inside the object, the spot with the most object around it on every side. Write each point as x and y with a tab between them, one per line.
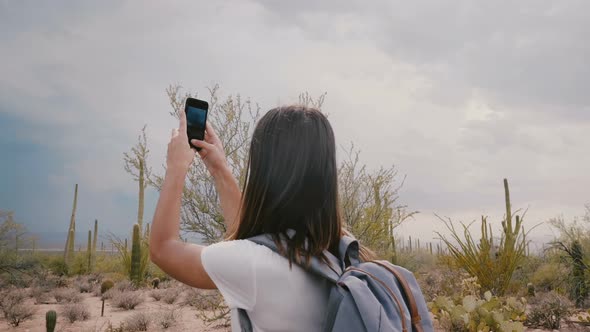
371	296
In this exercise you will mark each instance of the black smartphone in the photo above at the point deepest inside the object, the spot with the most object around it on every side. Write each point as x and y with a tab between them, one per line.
196	117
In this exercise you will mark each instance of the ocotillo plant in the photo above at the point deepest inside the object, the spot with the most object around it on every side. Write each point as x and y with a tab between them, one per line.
68	254
135	273
492	264
89	251
50	320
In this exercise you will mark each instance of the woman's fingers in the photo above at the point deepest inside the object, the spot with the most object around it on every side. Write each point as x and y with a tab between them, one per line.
174	132
209	130
182	117
202	144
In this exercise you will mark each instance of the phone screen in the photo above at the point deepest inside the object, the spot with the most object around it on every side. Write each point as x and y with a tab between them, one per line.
196	117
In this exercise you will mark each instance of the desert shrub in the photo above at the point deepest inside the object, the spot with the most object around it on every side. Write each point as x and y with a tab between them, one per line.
170	295
14	307
126	300
67	295
157	294
84	285
549	276
125	285
547	310
58	266
416	261
167	318
442	281
41	294
109	294
211	307
96	290
139	321
472	313
75	311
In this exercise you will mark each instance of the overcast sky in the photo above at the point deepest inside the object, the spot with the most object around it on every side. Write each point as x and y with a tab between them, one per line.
457	94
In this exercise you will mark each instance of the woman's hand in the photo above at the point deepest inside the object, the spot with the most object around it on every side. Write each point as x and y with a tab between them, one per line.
212	152
180	155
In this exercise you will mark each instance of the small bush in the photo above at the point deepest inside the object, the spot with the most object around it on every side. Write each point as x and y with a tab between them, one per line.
41	295
125	285
14	308
127	300
168	295
139	321
58	266
549	276
75	311
85	287
157	294
19	313
109	294
202	300
167	318
547	311
67	295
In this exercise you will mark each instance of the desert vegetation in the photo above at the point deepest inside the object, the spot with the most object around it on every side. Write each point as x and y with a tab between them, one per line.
474	278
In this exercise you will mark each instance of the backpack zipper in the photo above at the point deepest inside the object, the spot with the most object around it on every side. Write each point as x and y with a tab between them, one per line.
399	305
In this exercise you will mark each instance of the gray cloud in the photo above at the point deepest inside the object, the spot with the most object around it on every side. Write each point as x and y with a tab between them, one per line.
457	94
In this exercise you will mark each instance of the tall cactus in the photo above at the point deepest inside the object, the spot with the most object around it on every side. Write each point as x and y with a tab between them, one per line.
135	271
50	320
69	248
89	251
94	241
140	206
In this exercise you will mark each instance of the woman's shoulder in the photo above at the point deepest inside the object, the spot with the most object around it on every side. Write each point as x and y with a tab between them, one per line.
235	249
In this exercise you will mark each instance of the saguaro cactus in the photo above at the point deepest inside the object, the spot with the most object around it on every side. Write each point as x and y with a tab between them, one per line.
94	241
50	320
69	248
135	271
89	251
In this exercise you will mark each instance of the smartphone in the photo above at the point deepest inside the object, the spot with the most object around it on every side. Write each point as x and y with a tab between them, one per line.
196	117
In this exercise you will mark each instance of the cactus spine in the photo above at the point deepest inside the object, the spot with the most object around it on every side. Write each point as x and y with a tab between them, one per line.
69	249
50	320
135	271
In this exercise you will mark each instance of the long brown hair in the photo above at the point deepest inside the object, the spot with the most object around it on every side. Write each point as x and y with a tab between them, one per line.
292	183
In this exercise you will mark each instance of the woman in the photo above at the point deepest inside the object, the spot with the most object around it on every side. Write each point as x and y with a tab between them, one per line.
291	188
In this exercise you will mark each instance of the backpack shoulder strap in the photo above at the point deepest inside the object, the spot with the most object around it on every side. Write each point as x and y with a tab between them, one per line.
330	272
411	301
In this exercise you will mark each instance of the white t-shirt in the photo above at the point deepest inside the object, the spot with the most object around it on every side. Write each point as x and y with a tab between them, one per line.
276	298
